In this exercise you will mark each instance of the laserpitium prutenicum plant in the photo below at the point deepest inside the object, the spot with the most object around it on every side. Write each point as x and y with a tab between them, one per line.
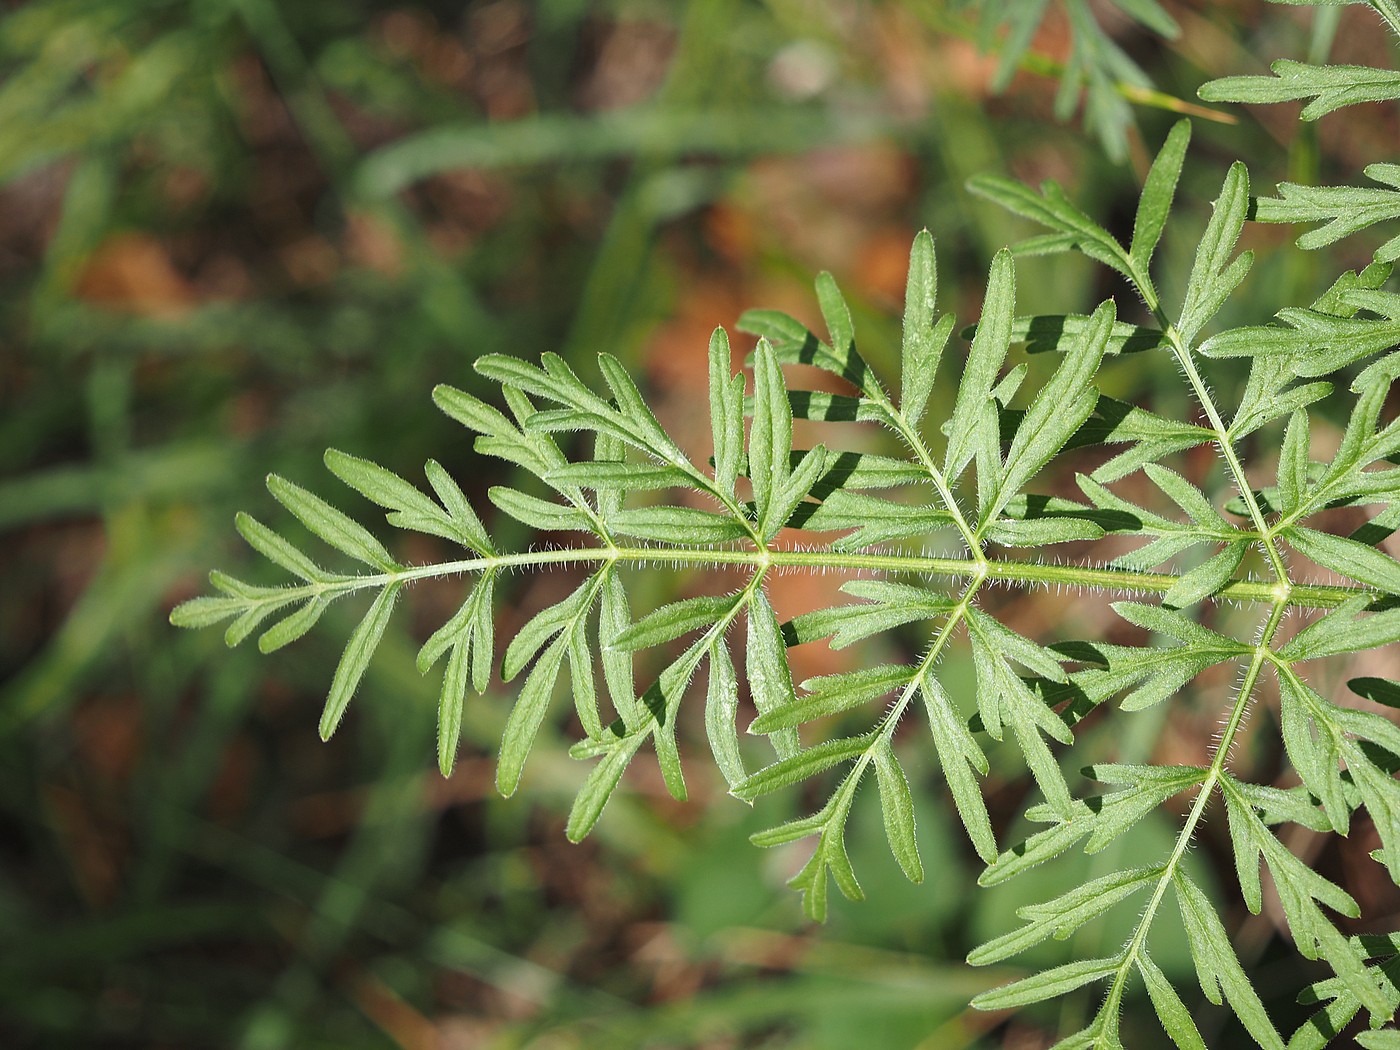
965	478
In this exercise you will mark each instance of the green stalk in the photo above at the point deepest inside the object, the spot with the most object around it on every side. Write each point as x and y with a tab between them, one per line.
1028	573
1233	723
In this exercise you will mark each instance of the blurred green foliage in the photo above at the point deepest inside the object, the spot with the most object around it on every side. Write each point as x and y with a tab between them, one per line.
233	232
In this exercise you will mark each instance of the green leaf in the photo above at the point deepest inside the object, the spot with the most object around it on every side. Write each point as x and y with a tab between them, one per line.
610	455
1163	671
1057	411
911	601
726	413
770	679
1207	578
958	750
794	830
872	520
294	626
1064	914
1329	87
471	412
1265	398
581	682
544	625
1342	210
832	694
467	618
1341	631
1004	699
1073	230
1293	462
673	620
839	326
206	611
251	618
451	699
1042	846
330	524
1189	498
483	631
680	526
1049	984
1044	662
470	531
1316	344
797	486
1175	625
834	408
1217	965
1143	790
613	620
358	653
1214	275
1358	561
830	856
640	419
848	472
1171	1011
1096	68
277	550
1010	532
527	715
619	477
722	713
924	338
770	437
379	485
538	513
1363	734
1155	204
897	805
1377	690
1300	890
796	768
1153	436
599	786
847	624
1341	1005
989	349
1314	748
1056	333
793	344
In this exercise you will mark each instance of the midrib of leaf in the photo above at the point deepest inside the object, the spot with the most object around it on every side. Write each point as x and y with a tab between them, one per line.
1227	449
1182	352
895	714
910	435
1280	596
1026	572
1238	709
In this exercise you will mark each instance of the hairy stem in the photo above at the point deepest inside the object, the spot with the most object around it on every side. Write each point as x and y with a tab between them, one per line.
1225	443
910	436
897	709
1028	573
1223	439
1233	723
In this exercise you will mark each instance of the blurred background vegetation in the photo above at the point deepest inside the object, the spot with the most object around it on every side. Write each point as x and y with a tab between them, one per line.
235	232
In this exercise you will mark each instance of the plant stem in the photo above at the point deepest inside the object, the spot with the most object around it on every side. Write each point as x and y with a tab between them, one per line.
1233	723
1027	573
